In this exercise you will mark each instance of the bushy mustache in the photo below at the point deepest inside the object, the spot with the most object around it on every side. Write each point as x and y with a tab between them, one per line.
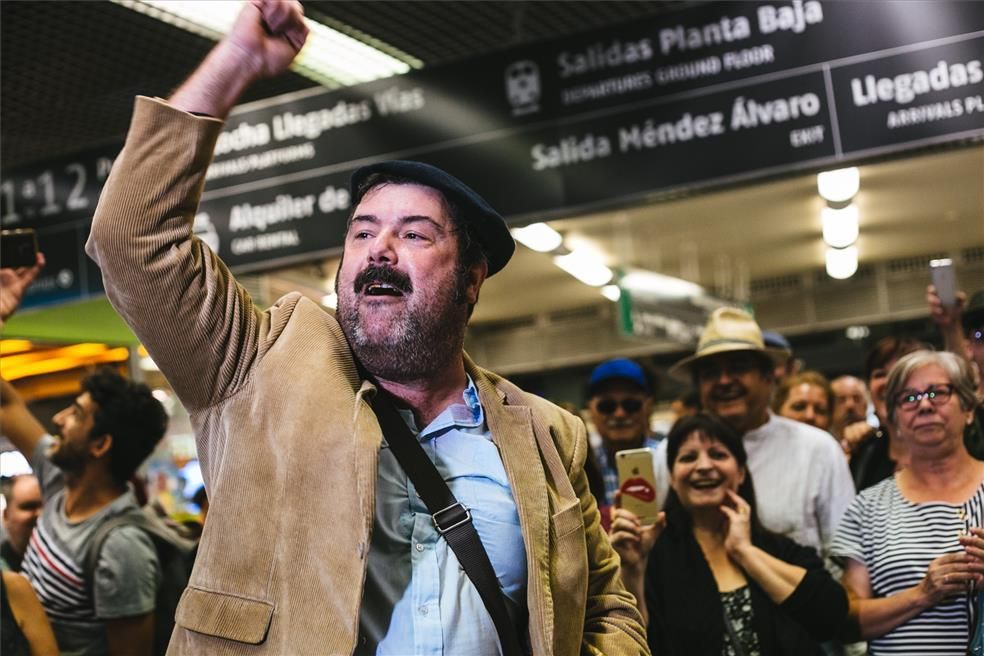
382	274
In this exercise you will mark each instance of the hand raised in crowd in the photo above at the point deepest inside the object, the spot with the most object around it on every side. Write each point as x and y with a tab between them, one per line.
949	575
631	539
263	41
854	434
13	284
739	530
945	317
271	32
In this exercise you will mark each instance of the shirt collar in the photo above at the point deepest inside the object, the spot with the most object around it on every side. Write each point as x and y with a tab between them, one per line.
467	414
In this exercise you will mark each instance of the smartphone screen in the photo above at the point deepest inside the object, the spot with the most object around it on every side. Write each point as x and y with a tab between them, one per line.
18	248
637	482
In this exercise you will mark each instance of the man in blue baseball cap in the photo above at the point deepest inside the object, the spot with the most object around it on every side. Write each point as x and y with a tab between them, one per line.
620	402
306	412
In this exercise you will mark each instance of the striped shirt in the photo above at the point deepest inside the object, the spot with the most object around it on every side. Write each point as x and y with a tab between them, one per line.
896	540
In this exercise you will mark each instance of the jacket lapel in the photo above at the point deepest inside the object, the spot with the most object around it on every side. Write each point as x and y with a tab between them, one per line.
512	432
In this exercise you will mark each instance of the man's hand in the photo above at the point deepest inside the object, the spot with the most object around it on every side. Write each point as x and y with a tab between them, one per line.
854	434
263	42
270	33
13	284
631	539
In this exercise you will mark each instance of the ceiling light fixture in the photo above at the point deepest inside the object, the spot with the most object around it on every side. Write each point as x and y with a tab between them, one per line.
538	236
329	57
612	292
839	186
840	227
585	267
842	263
650	283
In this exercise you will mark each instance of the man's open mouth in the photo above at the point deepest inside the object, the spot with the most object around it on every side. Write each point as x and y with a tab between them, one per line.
382	289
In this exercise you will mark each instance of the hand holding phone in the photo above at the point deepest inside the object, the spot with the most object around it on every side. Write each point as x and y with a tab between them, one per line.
637	483
944	280
18	248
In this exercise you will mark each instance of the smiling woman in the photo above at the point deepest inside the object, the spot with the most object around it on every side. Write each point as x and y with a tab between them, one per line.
914	543
712	579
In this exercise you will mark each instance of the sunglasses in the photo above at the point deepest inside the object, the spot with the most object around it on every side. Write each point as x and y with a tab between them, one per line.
608	406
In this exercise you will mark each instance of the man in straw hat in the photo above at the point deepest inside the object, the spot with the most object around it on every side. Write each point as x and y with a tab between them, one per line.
802	482
287	402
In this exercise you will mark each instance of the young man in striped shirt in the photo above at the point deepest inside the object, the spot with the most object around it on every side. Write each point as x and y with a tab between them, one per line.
109	429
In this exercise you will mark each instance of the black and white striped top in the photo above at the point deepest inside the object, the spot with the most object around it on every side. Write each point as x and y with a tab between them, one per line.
896	540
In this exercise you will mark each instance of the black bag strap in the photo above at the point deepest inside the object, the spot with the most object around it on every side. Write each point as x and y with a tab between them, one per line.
450	517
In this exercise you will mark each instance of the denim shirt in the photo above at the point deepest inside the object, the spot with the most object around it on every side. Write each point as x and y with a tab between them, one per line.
417	598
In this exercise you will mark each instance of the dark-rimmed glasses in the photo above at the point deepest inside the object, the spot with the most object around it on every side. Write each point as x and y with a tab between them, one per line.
937	395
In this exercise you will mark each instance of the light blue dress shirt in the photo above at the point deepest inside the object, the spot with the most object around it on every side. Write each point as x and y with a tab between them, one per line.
418	601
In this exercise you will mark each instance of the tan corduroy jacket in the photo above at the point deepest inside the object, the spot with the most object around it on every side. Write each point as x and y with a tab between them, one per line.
289	446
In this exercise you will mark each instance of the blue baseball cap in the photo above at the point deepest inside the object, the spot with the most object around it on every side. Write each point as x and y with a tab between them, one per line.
617	369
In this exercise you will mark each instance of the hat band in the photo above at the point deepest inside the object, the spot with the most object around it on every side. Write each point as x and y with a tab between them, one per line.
718	342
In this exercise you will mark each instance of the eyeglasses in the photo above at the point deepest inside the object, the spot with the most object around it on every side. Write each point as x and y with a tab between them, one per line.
608	406
976	335
937	395
738	366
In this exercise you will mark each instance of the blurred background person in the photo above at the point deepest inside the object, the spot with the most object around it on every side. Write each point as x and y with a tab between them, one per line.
805	397
685	405
850	406
962	328
20	514
785	367
24	627
874	455
708	575
909	561
620	402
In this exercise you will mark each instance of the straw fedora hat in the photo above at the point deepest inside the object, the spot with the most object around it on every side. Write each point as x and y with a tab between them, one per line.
728	329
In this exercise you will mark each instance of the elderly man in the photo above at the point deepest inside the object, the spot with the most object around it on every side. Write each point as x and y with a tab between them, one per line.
802	482
21	513
620	402
285	404
850	409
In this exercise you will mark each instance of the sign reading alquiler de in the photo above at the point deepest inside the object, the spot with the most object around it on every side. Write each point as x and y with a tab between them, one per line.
711	94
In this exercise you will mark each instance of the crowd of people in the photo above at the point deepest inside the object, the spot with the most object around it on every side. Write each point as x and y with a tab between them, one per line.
425	504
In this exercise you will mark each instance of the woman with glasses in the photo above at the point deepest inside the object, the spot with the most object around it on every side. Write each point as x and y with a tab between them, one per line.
709	578
912	545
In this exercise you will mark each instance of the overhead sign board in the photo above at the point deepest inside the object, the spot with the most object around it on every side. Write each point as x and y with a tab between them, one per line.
710	94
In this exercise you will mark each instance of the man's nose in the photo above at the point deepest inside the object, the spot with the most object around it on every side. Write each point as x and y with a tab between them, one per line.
382	248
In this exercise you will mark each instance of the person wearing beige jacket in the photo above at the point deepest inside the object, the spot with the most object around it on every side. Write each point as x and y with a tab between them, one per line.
279	399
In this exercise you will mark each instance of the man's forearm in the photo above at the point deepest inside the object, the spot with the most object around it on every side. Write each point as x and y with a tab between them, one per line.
217	84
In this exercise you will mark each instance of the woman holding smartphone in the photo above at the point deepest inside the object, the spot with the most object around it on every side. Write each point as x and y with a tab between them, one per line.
710	579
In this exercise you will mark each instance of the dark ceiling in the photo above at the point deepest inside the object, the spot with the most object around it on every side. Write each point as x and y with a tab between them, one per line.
69	70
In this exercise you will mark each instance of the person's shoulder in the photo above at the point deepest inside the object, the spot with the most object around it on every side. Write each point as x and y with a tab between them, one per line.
816	438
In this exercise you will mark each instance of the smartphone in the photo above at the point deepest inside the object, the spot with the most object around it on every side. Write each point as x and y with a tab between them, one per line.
637	481
944	279
18	248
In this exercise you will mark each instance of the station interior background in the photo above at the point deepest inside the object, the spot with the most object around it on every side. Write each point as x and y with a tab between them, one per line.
70	71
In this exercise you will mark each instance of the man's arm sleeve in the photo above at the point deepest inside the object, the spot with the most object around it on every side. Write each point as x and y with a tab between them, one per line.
127	575
199	325
612	623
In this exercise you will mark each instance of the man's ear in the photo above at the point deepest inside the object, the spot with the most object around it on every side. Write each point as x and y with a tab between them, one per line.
100	446
477	273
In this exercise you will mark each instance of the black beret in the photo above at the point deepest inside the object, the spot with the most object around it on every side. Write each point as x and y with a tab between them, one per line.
485	223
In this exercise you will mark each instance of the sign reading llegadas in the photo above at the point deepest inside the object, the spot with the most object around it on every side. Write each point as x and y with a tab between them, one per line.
712	93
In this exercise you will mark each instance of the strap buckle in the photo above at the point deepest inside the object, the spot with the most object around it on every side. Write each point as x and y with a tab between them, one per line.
459	515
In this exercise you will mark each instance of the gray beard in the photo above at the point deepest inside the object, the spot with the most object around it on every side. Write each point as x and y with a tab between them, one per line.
418	345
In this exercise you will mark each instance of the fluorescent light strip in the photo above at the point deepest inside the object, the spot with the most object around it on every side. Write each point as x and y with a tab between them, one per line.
329	57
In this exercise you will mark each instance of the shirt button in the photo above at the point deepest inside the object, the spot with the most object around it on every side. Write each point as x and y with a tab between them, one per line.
423	610
420	547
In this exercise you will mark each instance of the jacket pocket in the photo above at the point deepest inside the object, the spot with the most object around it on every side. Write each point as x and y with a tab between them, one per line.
224	615
568	520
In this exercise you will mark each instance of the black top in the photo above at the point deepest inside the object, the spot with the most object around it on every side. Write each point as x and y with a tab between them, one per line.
12	640
686	616
11	557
